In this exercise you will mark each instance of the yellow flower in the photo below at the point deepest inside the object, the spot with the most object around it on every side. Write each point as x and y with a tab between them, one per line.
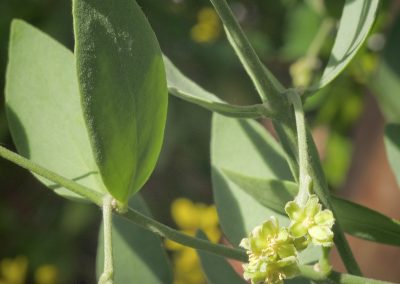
46	274
187	267
302	71
13	271
191	217
208	27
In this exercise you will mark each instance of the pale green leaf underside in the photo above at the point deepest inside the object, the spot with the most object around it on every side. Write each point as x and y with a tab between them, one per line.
139	256
44	110
182	87
124	92
356	220
357	19
216	268
244	146
392	143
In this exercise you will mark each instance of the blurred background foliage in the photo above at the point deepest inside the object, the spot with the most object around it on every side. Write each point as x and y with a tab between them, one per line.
46	239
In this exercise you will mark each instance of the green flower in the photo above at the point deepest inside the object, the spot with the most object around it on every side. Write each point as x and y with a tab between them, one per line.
311	221
264	271
272	254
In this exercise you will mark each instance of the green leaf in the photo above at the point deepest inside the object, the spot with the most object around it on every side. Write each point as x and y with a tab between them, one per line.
44	111
216	268
392	143
123	90
244	146
356	22
182	87
356	220
139	256
386	82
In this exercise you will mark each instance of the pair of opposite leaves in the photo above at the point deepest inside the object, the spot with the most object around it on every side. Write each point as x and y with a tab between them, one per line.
98	116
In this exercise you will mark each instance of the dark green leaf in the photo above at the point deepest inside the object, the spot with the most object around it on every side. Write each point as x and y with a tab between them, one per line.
43	108
356	220
356	22
392	143
123	88
138	254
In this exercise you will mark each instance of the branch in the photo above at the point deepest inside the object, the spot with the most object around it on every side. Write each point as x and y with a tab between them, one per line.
164	231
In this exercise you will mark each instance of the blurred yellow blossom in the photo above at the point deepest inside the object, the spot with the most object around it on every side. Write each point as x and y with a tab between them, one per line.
187	267
207	28
13	271
46	274
190	217
302	71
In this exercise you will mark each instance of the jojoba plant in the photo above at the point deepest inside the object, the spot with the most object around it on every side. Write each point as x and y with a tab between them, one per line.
89	125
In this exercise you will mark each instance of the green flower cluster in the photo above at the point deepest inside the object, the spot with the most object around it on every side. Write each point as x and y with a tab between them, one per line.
311	222
272	254
273	249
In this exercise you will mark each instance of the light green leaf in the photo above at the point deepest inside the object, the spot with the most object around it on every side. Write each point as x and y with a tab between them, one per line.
123	90
386	81
43	108
392	143
182	87
357	19
244	146
138	254
216	268
356	220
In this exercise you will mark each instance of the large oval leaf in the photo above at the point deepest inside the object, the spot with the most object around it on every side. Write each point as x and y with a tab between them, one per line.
123	87
357	19
356	220
244	146
44	110
139	256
